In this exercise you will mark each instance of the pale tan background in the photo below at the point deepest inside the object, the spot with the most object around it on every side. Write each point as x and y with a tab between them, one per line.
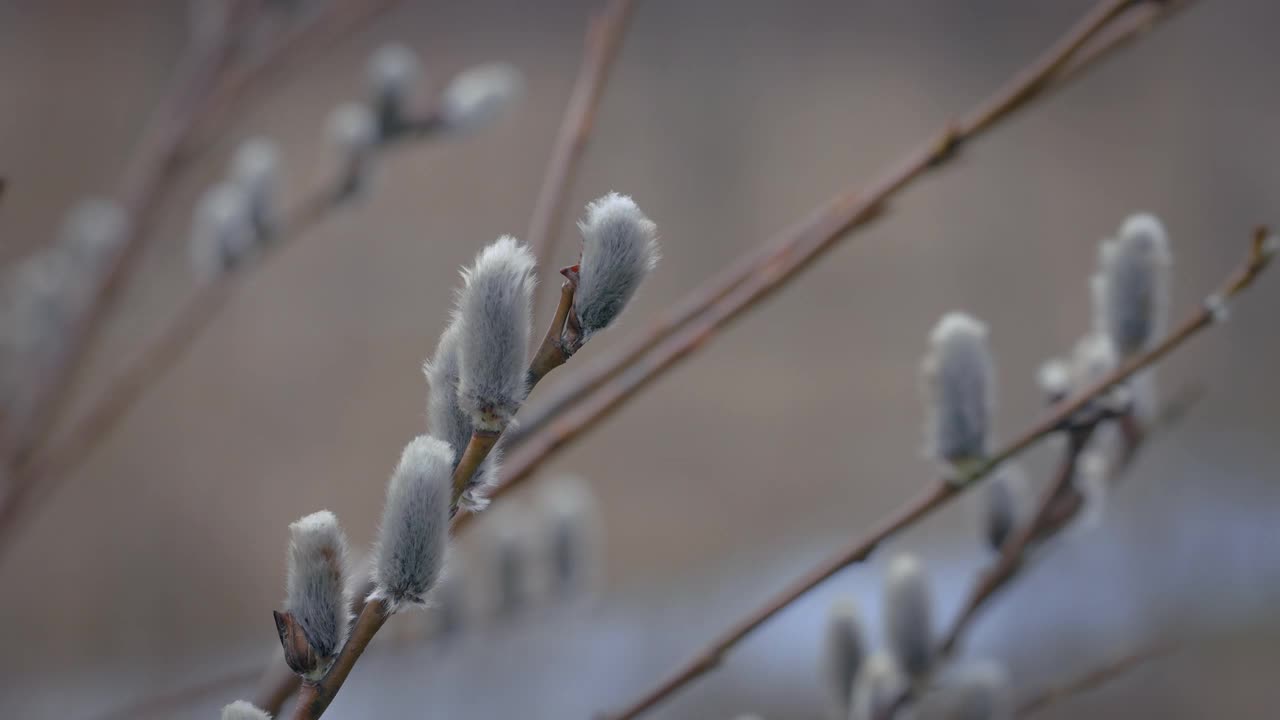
796	428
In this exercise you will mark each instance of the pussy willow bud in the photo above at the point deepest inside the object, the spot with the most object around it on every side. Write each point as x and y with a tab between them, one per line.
222	231
93	231
1006	504
317	601
256	169
243	710
619	249
494	318
1054	379
573	536
959	382
448	421
477	95
394	72
1132	285
414	534
879	685
512	561
908	608
974	691
845	649
353	135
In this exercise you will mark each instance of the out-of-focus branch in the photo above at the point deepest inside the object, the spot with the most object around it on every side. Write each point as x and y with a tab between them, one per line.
1094	678
603	40
779	260
1261	252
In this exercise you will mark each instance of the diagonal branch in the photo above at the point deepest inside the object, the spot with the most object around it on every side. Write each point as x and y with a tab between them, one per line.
1104	31
604	39
1092	679
1261	252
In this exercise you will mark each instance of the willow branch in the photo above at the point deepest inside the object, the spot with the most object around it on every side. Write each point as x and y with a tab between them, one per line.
314	698
1110	27
1261	252
603	40
1092	679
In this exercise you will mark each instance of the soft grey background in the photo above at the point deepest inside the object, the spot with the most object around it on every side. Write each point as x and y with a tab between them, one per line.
793	430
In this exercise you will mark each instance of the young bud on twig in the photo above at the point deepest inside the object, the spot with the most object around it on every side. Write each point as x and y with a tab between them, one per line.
619	249
222	232
93	231
959	382
1054	379
477	95
447	420
573	534
494	317
394	71
317	601
975	691
1006	504
243	710
879	685
908	609
512	580
1131	290
415	523
353	133
845	649
256	169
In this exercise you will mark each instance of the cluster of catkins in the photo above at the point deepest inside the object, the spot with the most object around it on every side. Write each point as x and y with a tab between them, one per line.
44	295
478	380
236	218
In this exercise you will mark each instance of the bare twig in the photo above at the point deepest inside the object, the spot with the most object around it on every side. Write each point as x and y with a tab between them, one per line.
1260	255
604	38
315	697
1092	679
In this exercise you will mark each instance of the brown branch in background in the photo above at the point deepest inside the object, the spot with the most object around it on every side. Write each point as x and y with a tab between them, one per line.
1108	28
1092	679
604	38
47	470
1261	252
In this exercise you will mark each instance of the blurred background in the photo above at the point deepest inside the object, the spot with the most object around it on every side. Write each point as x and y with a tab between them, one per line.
157	563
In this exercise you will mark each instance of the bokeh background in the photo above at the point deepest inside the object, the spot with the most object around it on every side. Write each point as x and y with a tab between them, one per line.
157	563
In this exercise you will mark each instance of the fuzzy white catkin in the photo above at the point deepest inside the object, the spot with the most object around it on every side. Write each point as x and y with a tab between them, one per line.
255	167
222	230
317	587
619	249
479	94
573	536
448	421
1054	379
494	318
1005	504
909	615
352	136
244	710
93	231
959	382
512	563
973	691
394	70
1132	285
845	649
414	534
880	683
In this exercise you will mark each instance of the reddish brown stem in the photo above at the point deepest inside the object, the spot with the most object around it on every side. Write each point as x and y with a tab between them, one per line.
314	698
1092	679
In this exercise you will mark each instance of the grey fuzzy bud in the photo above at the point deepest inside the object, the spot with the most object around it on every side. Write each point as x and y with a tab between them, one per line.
494	318
975	691
1132	286
353	135
222	230
394	71
244	710
414	534
908	608
1005	504
879	685
93	231
512	561
619	249
845	648
256	169
317	588
573	534
1054	379
959	382
479	94
448	421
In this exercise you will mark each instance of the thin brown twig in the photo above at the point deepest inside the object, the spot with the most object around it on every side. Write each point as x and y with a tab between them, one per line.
793	249
1092	679
1260	255
603	40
